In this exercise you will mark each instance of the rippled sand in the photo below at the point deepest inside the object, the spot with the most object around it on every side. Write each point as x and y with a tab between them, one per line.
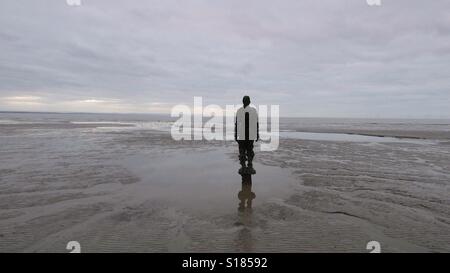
115	189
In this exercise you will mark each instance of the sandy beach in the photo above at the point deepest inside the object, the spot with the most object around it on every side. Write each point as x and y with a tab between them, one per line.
125	187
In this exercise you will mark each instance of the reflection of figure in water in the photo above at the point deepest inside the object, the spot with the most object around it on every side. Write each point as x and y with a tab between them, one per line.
246	131
246	196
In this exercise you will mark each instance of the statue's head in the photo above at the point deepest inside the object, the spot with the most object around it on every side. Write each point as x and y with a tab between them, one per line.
246	101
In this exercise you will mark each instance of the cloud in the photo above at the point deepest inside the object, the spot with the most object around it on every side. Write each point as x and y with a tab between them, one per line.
22	101
313	58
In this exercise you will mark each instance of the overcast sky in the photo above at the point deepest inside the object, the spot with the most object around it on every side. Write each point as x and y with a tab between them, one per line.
328	58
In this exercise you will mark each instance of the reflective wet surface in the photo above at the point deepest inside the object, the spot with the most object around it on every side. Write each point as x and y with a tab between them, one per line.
351	138
135	189
206	180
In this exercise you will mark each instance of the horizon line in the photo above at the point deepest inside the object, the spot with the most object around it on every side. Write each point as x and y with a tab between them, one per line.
168	114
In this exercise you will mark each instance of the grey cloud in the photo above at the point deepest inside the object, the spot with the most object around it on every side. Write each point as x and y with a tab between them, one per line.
314	58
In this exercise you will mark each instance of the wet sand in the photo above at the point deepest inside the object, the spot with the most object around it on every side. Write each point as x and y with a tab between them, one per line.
117	190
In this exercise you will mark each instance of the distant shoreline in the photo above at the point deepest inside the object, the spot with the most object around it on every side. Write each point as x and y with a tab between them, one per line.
87	113
167	114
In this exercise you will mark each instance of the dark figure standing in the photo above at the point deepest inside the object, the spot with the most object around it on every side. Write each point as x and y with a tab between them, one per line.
246	131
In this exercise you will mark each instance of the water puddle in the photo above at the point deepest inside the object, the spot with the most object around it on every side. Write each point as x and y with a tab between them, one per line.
350	137
207	180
